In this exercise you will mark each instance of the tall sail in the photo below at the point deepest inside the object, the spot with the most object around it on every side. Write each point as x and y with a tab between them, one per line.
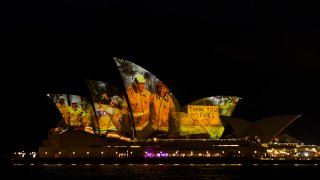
152	104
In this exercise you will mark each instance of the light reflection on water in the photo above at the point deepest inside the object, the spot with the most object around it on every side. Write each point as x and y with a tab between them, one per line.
162	171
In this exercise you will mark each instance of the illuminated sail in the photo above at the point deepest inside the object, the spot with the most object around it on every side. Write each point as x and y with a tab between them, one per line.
76	111
203	116
111	108
152	104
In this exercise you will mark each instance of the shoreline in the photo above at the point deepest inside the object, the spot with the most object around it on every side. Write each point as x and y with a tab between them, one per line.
155	161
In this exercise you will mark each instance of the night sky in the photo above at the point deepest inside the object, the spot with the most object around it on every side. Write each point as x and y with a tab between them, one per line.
268	54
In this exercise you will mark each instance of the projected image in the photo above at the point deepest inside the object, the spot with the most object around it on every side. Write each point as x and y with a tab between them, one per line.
200	121
202	117
111	109
152	103
76	111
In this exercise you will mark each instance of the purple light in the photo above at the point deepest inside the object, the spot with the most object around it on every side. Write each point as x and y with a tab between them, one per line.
149	155
162	155
153	155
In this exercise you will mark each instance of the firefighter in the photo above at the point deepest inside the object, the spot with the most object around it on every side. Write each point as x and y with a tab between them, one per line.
116	117
162	108
74	114
87	115
139	99
109	115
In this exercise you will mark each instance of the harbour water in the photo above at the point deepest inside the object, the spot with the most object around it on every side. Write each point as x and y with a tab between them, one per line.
162	171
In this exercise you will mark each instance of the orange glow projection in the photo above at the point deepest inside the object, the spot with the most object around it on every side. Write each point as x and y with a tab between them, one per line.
111	108
200	121
76	111
152	104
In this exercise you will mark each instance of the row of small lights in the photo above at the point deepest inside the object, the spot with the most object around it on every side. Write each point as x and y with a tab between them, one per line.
145	152
295	150
87	152
33	154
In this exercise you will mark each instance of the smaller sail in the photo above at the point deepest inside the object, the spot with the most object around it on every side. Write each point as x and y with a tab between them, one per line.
76	112
202	117
111	108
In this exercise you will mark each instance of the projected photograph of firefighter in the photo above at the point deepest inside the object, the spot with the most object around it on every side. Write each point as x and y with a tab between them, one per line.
111	108
152	104
76	112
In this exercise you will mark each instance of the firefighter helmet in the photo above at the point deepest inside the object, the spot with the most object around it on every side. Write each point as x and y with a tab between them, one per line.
139	78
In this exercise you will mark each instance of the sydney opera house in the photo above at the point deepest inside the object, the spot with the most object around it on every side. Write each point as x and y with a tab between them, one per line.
145	120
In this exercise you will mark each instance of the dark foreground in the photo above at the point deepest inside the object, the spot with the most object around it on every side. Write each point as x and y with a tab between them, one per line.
161	171
192	160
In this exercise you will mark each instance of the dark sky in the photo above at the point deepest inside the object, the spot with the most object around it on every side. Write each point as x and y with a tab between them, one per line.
268	54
